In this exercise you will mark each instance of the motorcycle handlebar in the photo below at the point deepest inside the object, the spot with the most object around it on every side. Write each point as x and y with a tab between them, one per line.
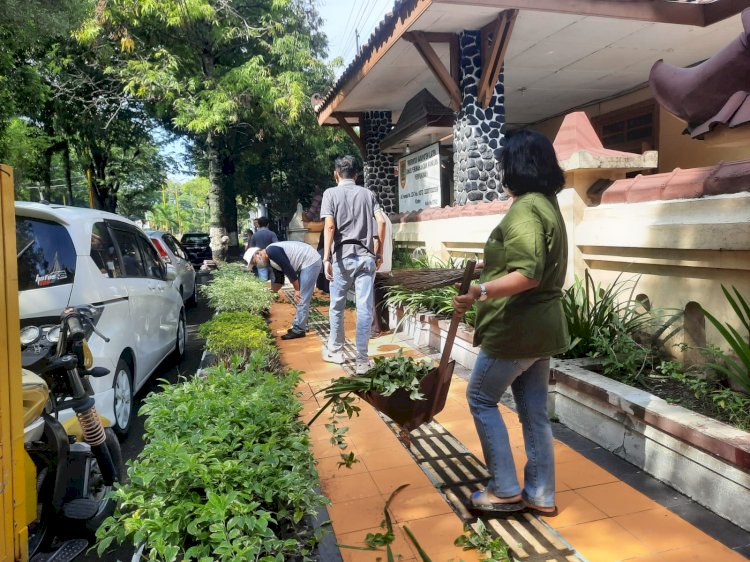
75	328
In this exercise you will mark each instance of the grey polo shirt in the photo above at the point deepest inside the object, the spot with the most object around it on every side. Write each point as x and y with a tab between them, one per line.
352	208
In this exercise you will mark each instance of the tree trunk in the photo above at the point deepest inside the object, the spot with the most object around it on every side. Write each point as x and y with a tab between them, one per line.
230	195
216	199
68	180
47	176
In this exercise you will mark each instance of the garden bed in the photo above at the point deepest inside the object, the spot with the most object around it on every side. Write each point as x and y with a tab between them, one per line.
705	459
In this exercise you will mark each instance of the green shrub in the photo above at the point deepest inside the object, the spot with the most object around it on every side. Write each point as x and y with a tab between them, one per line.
226	473
233	288
236	333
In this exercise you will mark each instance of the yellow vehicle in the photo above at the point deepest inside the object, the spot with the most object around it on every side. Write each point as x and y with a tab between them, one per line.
71	467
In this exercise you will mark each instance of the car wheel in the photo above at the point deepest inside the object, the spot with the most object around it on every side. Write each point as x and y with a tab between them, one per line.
181	343
123	400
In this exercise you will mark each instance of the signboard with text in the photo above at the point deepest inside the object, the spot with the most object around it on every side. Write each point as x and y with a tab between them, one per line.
419	179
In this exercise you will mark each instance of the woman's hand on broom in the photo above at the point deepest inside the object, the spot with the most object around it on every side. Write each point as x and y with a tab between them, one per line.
462	303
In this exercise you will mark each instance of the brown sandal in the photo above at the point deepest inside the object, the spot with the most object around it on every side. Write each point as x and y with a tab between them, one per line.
480	501
540	511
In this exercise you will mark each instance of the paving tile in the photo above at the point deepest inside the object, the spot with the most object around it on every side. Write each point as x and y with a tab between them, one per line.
418	502
603	541
436	536
660	529
654	489
328	468
389	457
713	525
357	515
377	437
391	478
583	473
617	498
400	546
322	448
348	488
706	552
574	510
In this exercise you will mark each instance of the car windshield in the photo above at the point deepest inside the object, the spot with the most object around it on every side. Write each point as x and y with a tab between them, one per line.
45	254
196	239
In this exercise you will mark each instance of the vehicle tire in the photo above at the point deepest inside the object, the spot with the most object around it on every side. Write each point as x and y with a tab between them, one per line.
123	406
193	300
102	493
181	342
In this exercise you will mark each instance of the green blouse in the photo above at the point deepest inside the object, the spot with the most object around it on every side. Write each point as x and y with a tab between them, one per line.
531	239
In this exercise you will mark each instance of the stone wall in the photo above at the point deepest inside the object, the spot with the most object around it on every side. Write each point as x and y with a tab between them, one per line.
477	132
378	172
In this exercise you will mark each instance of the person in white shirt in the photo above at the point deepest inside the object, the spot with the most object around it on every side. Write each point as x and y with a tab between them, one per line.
380	309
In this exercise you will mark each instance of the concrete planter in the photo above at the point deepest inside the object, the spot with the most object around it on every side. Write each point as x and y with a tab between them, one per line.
708	461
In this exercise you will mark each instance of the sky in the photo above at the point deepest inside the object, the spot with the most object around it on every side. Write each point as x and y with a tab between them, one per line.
341	19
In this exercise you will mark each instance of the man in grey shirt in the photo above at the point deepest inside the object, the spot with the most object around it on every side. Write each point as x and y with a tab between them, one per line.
351	255
261	239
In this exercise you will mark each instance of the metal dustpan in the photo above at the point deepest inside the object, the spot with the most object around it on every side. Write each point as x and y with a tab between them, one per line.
408	413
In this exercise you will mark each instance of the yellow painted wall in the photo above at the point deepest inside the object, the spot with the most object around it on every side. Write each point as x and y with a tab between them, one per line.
13	532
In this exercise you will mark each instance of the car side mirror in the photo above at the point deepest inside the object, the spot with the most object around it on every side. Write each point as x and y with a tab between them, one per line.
171	273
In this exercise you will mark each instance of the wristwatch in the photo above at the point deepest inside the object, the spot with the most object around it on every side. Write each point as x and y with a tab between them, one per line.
482	292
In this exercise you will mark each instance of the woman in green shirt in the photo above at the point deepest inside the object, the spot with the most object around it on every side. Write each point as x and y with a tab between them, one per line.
520	324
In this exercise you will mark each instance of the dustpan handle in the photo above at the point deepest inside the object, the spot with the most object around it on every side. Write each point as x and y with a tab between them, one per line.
465	284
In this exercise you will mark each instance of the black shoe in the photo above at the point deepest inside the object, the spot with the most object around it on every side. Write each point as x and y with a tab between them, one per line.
293	335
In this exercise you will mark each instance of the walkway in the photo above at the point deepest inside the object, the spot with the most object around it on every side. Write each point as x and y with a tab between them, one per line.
602	518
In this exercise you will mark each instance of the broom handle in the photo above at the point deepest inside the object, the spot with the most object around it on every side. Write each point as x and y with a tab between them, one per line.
465	283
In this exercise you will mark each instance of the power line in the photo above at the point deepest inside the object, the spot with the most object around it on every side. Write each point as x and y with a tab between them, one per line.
352	40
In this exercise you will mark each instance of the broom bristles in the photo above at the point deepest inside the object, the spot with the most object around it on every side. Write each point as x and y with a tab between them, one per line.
423	279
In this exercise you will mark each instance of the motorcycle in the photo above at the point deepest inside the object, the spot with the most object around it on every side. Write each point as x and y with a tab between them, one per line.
71	466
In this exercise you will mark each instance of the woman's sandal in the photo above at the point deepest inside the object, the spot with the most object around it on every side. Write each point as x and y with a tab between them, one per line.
480	501
540	511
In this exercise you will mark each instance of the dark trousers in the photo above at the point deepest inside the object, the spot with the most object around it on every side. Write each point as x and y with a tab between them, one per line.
380	308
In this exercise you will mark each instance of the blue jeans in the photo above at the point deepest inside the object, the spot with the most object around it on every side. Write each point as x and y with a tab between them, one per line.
360	272
307	278
264	273
528	380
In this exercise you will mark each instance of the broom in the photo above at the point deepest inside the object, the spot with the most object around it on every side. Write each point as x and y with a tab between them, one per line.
423	279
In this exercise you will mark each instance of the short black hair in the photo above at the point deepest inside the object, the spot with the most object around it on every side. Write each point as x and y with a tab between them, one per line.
529	163
262	221
347	166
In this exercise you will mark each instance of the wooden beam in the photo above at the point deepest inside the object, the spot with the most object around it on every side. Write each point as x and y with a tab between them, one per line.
344	124
495	57
455	59
640	10
447	81
364	68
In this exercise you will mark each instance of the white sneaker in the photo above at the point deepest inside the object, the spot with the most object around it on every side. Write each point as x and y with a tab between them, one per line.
363	367
330	357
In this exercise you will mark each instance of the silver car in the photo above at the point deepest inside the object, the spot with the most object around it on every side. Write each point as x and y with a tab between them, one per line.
172	252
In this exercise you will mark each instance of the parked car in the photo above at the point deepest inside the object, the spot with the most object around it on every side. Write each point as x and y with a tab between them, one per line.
69	256
173	253
198	245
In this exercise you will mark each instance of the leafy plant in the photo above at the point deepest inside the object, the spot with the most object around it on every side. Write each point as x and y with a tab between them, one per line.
226	473
738	370
478	537
233	288
595	313
237	333
732	406
437	301
388	375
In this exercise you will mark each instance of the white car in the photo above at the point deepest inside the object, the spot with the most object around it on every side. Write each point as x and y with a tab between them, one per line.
69	256
173	253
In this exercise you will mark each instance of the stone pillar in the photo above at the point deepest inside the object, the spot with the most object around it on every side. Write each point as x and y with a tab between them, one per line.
378	166
477	132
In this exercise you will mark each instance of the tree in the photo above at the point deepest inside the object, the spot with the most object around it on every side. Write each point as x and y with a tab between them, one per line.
211	65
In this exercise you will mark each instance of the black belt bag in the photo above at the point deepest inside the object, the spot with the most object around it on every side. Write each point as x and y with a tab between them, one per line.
337	247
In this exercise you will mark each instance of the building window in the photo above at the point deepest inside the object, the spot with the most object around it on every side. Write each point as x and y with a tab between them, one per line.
633	129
